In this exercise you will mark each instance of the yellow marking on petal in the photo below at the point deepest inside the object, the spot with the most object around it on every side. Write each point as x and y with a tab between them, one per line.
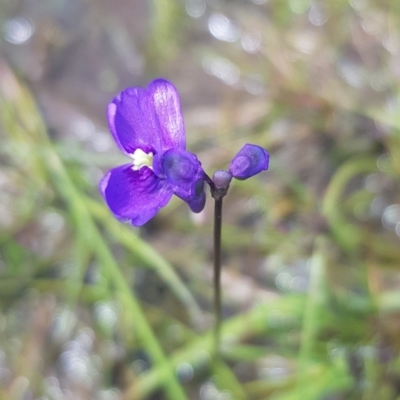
141	159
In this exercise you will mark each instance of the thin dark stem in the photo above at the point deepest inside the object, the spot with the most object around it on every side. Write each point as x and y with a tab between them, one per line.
217	272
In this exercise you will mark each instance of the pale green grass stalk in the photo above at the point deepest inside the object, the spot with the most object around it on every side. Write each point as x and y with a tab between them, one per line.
348	235
313	311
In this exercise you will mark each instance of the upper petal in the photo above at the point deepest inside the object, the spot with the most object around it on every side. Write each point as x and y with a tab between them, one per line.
250	160
168	115
149	119
134	196
132	122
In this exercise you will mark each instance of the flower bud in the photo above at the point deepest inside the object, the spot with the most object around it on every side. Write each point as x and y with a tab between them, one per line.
222	179
250	161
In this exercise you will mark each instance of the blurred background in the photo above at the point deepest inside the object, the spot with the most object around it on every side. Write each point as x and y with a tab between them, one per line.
94	309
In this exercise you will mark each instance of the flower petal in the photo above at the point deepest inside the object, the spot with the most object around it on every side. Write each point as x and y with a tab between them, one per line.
164	98
132	122
134	196
149	119
250	160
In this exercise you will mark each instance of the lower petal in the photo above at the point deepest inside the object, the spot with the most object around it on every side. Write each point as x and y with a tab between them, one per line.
134	196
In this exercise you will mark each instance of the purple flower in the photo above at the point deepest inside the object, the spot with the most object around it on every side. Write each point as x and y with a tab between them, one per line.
147	125
250	161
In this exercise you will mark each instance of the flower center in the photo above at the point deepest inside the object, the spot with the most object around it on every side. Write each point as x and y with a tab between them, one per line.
141	159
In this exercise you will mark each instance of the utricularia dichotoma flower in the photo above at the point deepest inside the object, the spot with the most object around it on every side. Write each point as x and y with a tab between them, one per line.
147	125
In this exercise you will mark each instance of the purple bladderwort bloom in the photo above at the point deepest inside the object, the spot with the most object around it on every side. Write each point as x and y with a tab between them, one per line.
147	125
